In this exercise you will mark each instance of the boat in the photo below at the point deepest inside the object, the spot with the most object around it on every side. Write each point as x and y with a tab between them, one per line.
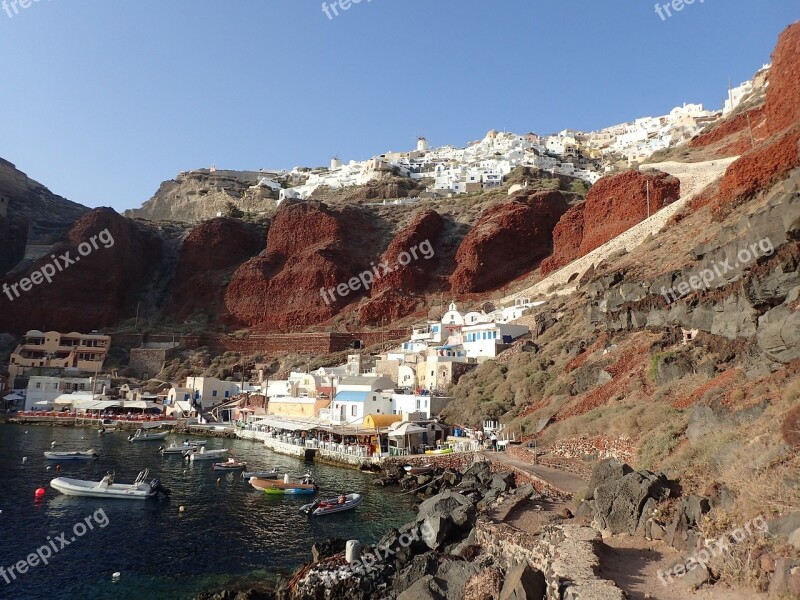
142	436
440	451
230	465
79	455
193	443
423	470
332	505
172	449
201	453
106	430
273	474
140	489
272	486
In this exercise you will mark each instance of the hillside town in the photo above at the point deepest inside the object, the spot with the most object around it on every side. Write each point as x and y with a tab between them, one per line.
483	164
56	376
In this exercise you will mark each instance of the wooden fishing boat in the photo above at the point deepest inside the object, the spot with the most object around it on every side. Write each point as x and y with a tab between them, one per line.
332	505
230	465
272	486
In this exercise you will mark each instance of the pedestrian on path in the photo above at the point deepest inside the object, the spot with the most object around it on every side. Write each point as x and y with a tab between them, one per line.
494	442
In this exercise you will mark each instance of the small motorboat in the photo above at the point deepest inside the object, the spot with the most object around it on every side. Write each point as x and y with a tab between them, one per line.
423	470
187	443
272	486
201	453
273	474
143	436
80	455
106	488
106	430
172	450
230	465
332	505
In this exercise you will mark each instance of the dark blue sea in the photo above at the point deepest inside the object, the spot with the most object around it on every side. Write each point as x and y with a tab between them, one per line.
228	534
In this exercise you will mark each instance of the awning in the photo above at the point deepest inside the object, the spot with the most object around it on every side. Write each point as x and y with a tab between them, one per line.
141	404
15	397
404	429
287	425
94	404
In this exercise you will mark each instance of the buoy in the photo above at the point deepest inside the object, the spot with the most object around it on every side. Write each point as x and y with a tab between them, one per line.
116	576
53	443
47	469
180	509
24	459
39	493
218	480
58	467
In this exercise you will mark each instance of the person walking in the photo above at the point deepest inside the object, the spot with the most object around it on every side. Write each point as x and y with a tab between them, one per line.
494	442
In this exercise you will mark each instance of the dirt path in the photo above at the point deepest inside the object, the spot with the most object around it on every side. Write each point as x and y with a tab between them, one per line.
565	482
633	564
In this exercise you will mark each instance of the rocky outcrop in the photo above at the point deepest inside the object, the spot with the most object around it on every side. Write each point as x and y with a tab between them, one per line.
453	543
13	238
310	247
620	499
506	241
198	195
783	93
412	259
48	215
741	284
81	296
613	205
209	255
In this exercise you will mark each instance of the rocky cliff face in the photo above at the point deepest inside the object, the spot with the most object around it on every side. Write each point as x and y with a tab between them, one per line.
199	195
412	259
94	287
309	247
35	215
209	255
613	205
507	240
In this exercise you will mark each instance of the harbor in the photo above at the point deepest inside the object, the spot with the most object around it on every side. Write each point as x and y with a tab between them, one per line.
228	534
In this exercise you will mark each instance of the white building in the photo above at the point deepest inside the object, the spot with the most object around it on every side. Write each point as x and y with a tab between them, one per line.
42	391
484	339
210	391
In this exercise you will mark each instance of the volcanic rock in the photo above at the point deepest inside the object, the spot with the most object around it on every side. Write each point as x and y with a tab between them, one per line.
506	241
209	254
83	296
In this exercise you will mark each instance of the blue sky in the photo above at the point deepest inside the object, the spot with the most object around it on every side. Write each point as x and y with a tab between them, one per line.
101	100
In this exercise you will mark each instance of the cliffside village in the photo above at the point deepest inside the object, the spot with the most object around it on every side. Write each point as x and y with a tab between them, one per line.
60	375
483	164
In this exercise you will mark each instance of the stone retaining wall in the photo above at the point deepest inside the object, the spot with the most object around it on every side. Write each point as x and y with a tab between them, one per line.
565	554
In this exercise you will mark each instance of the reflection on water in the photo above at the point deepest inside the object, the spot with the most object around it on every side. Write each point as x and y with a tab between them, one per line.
228	530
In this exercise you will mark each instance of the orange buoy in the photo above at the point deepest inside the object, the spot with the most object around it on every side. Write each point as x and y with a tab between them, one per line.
39	493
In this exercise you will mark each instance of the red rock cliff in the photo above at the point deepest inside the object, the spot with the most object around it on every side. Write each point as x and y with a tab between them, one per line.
507	240
309	246
100	288
392	296
209	255
613	205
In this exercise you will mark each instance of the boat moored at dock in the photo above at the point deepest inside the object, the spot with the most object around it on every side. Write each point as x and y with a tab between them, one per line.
140	489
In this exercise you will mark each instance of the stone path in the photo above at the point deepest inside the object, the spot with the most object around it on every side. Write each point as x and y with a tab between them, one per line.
695	177
563	481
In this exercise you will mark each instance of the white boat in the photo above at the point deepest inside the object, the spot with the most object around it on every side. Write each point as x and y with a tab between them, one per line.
106	488
201	453
187	443
173	449
142	436
232	464
80	455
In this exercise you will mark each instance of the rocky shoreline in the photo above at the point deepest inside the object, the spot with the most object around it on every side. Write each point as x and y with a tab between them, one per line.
480	535
457	547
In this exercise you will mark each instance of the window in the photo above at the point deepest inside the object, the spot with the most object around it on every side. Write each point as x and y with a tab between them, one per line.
38	386
214	394
353	410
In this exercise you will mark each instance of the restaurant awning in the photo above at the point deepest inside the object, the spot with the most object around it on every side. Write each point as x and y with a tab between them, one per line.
405	429
287	425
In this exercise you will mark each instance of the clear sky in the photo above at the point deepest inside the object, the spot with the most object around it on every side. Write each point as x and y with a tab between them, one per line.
101	100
